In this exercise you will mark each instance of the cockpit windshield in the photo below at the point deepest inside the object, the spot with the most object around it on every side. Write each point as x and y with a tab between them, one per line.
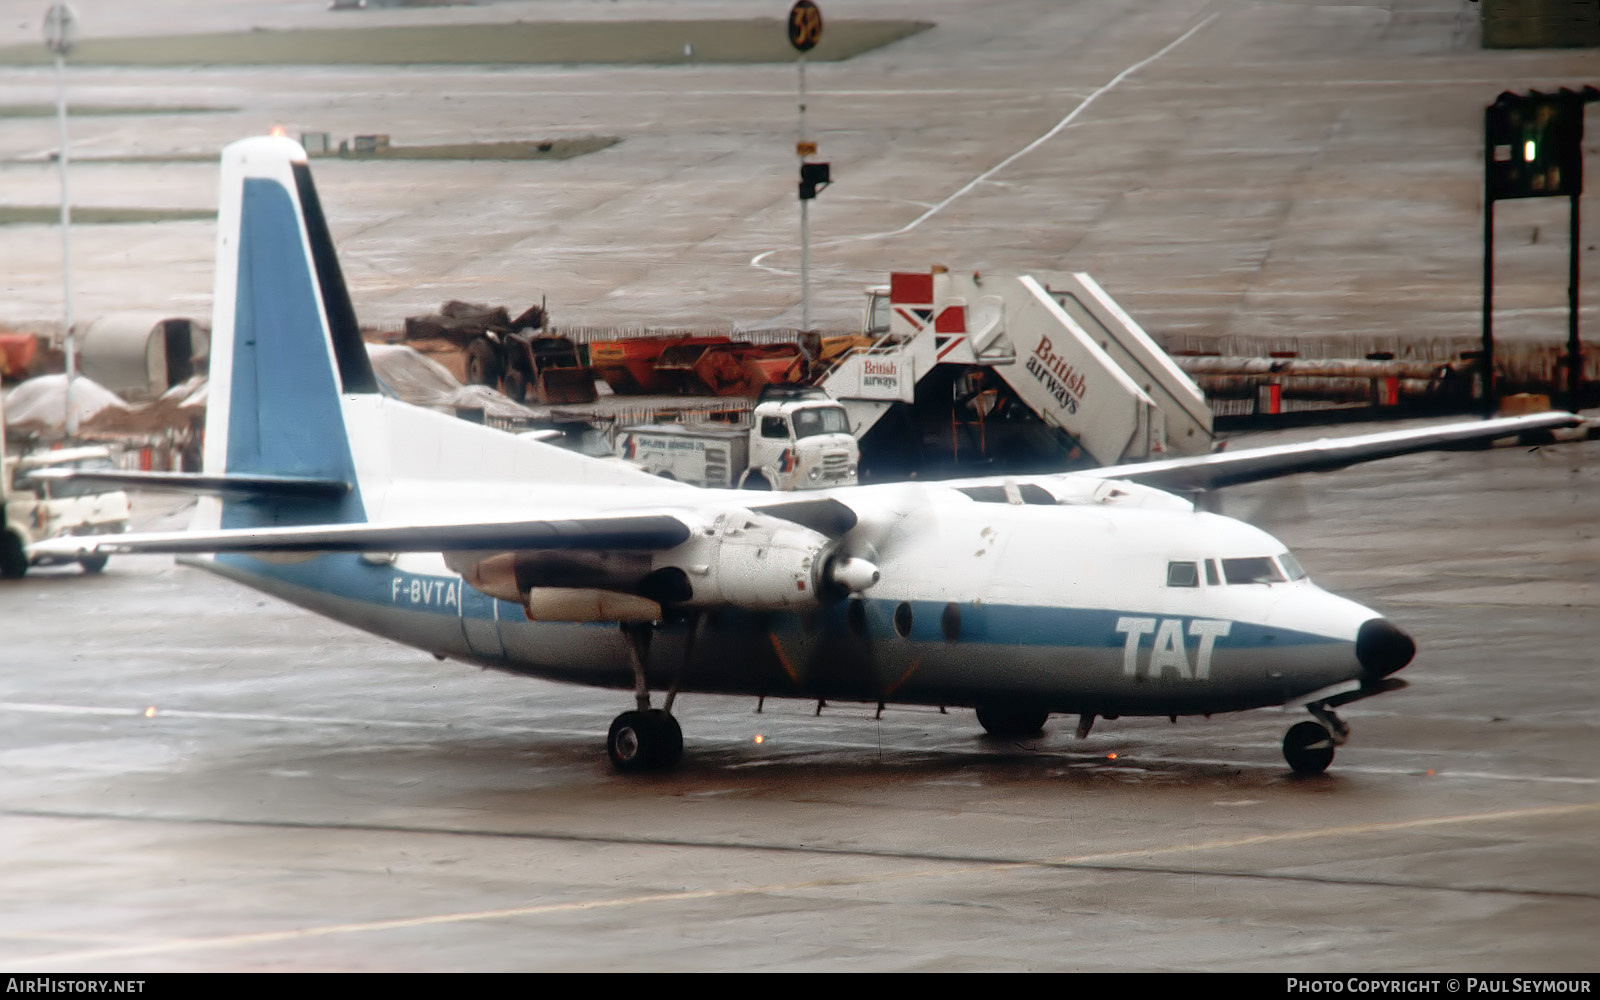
1254	569
815	420
1291	566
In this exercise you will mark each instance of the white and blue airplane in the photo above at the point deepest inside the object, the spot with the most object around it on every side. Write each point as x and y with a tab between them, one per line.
1090	594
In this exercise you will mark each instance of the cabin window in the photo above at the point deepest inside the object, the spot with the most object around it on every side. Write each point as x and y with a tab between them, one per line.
1213	575
1256	569
950	622
774	427
902	619
1292	567
1183	574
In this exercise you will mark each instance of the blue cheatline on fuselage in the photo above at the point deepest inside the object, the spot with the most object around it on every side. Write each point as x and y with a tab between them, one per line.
1072	659
284	414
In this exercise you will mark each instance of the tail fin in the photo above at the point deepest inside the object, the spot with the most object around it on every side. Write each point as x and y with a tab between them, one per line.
285	344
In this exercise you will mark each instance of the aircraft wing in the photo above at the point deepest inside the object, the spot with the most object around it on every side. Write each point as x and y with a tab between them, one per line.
635	531
1229	468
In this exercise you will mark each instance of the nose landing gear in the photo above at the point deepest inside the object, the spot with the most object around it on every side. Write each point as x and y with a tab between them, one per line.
1308	746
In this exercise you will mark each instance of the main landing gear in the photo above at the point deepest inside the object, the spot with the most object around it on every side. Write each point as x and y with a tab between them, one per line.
647	739
1011	722
1309	746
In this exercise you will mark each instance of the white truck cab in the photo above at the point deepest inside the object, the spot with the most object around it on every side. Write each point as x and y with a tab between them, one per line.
803	443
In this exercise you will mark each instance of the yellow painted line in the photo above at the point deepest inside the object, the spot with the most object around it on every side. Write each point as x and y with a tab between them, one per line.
329	930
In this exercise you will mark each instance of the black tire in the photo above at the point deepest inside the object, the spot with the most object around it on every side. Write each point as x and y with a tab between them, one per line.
94	563
483	363
1308	748
13	559
515	385
644	741
1012	722
755	481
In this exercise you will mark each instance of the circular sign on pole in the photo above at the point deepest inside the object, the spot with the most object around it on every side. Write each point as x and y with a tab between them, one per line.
60	28
805	25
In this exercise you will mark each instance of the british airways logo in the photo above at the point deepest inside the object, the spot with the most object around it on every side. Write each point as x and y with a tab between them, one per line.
1064	381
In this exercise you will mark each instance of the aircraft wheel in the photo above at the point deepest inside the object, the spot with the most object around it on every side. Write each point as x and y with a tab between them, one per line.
94	563
644	741
1011	721
13	560
1308	748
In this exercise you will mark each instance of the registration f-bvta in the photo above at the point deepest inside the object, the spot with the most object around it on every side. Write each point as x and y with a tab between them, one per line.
1092	594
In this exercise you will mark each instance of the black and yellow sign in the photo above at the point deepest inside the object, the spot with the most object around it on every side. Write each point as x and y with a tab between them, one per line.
805	25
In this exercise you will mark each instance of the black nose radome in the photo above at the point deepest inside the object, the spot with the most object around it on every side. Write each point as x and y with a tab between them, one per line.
1383	648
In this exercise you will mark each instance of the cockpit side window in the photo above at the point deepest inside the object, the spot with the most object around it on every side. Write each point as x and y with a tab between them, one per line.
1213	575
1255	569
1292	566
1183	574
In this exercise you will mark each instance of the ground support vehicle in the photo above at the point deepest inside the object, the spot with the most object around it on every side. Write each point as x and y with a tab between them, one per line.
37	508
796	439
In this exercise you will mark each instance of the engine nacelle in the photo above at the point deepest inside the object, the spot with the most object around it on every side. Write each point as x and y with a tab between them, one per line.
741	559
750	560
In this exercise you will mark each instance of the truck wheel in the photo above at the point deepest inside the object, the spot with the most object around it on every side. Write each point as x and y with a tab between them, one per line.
13	560
515	386
483	363
755	481
93	564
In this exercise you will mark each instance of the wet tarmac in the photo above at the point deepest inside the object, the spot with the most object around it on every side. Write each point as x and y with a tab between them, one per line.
1283	170
195	777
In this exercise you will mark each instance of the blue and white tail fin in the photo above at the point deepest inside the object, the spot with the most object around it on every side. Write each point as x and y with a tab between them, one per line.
285	347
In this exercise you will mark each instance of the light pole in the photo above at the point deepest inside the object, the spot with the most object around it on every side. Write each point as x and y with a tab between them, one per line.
60	31
805	30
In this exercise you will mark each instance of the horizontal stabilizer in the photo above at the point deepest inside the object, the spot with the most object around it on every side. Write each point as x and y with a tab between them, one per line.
209	484
632	532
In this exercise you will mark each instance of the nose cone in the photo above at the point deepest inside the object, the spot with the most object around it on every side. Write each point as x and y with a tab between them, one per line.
1383	647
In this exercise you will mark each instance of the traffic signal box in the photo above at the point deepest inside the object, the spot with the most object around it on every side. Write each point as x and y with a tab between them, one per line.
1534	144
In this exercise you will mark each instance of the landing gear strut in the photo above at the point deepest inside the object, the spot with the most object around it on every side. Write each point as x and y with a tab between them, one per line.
1309	746
646	739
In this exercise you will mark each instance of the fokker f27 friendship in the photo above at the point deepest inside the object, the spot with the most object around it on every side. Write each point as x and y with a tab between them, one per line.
1088	593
